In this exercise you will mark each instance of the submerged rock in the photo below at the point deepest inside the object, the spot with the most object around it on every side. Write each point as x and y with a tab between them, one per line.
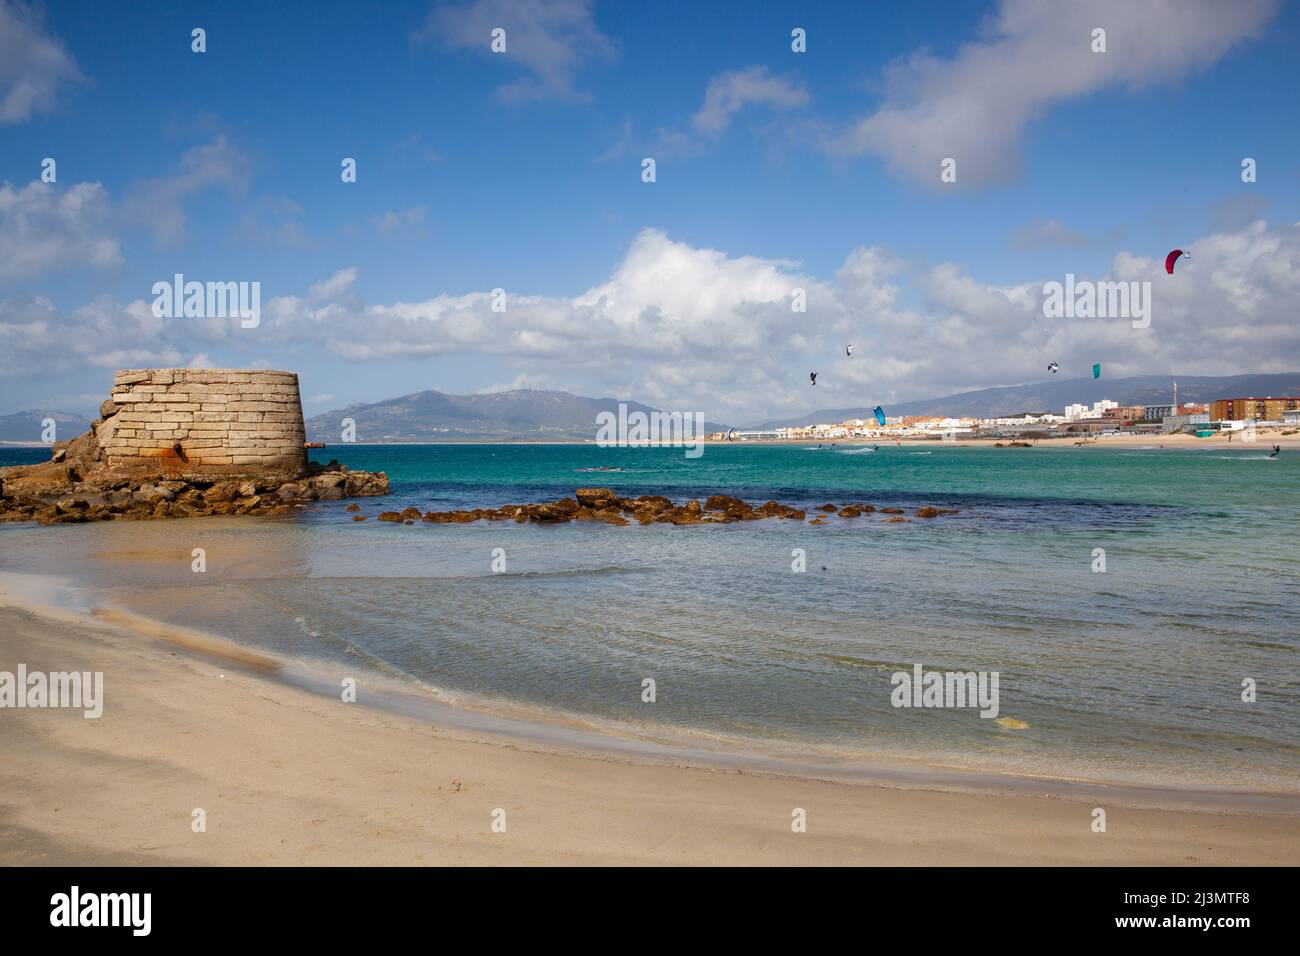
601	504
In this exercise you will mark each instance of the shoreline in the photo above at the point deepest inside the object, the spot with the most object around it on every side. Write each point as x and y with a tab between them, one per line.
1266	438
401	694
189	726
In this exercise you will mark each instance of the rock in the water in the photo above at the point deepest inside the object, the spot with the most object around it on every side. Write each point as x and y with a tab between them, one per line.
595	497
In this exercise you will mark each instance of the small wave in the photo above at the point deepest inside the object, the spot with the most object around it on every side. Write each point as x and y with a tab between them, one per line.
920	453
858	451
306	628
569	572
1245	458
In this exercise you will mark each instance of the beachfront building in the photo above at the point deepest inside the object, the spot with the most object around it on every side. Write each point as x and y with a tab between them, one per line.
1260	409
1076	412
1087	426
1184	422
1124	413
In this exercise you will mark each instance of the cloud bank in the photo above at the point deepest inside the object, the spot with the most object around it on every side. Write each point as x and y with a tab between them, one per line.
687	327
974	106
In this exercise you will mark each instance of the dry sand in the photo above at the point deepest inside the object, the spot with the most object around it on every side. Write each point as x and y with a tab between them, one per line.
286	776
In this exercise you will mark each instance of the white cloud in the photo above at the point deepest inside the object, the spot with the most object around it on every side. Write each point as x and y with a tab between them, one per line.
158	202
33	65
698	329
335	287
45	228
37	338
1036	53
689	327
552	40
728	93
401	220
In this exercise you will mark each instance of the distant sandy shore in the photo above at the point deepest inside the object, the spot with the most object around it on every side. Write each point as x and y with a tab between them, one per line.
1265	439
286	776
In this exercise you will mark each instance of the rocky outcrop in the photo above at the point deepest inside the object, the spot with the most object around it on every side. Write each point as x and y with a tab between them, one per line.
602	504
93	477
53	496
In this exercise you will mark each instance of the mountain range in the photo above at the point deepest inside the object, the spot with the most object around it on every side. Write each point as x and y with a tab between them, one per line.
26	427
518	415
1053	395
538	415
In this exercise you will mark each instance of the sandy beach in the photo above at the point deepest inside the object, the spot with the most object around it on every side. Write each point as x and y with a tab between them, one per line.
1265	438
286	776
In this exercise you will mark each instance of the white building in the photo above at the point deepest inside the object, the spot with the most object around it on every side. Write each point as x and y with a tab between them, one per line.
1075	412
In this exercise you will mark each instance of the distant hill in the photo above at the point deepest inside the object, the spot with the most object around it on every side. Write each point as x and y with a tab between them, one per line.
516	415
25	427
1054	395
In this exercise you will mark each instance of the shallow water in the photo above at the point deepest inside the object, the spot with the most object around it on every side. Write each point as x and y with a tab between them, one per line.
1132	674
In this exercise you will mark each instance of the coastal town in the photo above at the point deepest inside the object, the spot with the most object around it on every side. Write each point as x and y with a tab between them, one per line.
1102	419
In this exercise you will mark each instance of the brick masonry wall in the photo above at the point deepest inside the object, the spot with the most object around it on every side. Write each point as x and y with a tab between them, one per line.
226	422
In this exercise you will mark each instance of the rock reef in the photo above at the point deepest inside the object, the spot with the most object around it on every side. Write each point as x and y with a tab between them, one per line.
83	482
602	504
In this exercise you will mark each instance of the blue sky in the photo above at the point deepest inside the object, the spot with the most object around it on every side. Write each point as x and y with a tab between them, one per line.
522	171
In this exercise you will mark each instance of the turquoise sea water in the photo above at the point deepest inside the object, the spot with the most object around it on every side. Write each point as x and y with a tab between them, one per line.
1131	674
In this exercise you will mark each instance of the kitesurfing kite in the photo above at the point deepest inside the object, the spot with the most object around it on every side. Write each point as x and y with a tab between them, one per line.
1173	257
1096	370
731	434
848	349
1053	368
880	415
812	378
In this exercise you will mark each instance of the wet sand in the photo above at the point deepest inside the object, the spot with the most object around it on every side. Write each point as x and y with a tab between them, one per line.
287	776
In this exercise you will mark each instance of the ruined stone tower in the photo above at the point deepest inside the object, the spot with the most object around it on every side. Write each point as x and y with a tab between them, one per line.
195	421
